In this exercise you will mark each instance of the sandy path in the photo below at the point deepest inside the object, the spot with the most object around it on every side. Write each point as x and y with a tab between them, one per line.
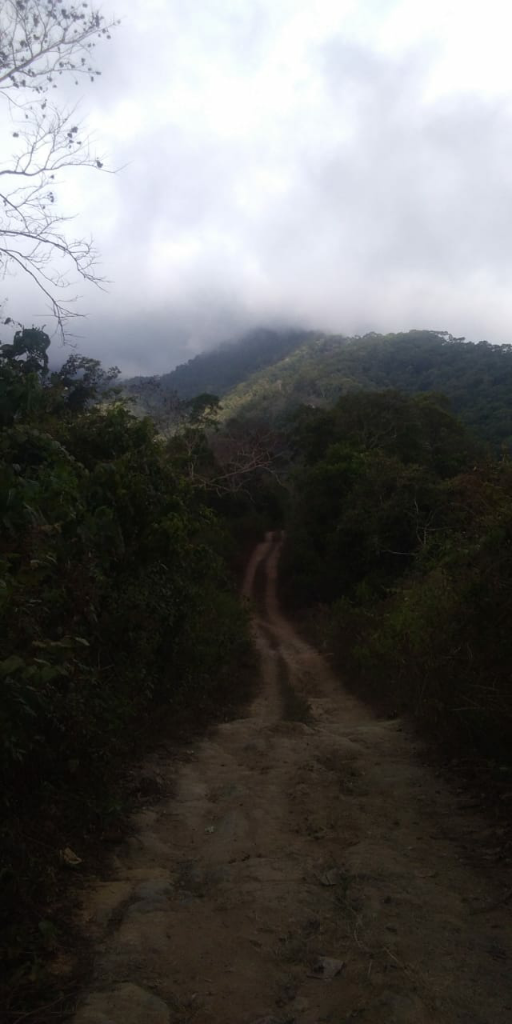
306	830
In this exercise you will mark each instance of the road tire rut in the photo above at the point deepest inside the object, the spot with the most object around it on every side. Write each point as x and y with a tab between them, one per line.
306	830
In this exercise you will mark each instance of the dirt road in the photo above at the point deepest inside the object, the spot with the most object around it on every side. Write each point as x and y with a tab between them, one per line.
303	841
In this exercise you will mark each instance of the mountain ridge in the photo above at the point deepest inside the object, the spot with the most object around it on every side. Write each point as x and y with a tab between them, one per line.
268	373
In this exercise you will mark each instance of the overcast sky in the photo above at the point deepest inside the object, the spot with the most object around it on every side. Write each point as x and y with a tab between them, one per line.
340	164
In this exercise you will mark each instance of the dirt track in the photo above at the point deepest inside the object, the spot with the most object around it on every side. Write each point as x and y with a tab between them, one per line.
306	830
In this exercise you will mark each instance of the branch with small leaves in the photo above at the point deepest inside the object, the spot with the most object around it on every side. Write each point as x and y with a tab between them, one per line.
39	42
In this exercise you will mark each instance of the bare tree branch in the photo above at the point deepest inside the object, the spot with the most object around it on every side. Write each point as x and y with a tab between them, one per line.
244	453
41	40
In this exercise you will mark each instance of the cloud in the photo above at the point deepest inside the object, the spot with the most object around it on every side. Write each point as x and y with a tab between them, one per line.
282	163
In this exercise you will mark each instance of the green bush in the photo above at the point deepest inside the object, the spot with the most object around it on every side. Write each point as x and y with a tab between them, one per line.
403	535
115	601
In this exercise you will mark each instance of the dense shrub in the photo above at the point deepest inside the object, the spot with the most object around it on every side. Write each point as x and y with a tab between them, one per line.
401	532
114	600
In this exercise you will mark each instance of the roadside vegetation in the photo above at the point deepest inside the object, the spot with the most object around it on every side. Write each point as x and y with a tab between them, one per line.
118	607
127	514
400	548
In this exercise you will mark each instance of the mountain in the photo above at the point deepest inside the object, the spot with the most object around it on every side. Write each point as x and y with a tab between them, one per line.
267	373
221	369
475	377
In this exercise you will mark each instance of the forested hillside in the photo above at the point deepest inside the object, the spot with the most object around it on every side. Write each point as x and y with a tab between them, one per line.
268	374
215	372
477	378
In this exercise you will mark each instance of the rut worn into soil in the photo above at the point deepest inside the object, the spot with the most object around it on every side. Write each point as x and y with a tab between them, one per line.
306	830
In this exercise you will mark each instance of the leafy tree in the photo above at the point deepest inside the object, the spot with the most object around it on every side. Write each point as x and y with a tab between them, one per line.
23	372
84	380
28	351
368	496
203	409
28	390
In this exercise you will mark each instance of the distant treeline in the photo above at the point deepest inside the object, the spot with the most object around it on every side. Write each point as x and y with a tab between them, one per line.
217	371
269	373
477	378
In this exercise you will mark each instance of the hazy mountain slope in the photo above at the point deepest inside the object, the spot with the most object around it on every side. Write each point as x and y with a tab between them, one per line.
477	378
223	368
267	373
